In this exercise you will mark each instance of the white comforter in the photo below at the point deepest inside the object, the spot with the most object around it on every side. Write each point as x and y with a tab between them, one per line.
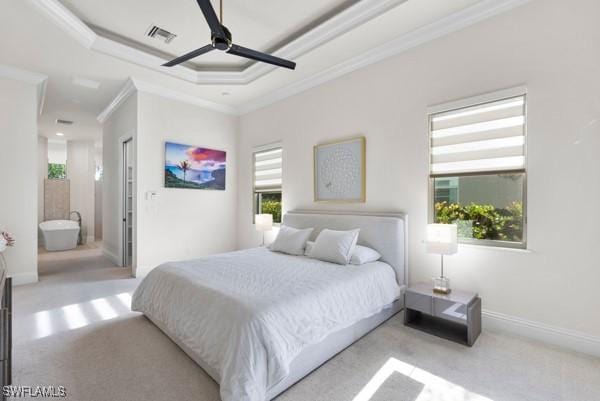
248	314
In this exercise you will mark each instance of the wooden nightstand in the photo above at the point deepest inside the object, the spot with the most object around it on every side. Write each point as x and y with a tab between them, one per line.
456	316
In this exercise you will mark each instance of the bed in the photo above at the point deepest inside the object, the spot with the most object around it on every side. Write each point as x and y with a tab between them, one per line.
258	321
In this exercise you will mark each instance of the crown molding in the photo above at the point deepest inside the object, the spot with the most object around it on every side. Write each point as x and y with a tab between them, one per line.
33	78
165	92
112	48
65	19
335	26
134	85
454	22
451	23
124	94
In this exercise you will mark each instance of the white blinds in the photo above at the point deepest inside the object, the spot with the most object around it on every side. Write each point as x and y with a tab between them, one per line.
486	137
267	170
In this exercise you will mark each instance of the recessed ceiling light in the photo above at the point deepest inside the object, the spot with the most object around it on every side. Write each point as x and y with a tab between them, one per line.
86	83
60	134
225	93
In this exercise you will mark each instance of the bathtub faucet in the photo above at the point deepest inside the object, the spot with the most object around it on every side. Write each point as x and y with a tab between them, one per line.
80	237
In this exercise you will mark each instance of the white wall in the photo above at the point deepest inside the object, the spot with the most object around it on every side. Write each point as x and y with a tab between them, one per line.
123	122
550	46
182	223
57	151
19	178
81	168
42	163
98	195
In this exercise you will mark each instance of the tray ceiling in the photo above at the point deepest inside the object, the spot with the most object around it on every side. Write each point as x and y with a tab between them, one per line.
326	25
265	25
363	33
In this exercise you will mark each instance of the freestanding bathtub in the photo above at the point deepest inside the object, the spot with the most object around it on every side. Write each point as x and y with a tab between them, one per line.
60	235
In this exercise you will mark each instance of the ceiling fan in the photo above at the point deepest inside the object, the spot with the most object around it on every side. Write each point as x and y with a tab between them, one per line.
221	40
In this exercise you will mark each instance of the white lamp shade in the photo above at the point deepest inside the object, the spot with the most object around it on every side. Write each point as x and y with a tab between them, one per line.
442	239
264	222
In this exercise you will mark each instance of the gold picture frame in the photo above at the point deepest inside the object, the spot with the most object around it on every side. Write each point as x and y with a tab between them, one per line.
346	151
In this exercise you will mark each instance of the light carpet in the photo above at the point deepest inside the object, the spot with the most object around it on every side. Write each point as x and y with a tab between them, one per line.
74	328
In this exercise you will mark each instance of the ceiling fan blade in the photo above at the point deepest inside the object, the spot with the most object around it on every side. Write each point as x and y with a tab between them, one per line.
258	56
189	56
211	18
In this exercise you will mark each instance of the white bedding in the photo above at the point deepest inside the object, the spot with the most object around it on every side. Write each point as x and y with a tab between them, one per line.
248	314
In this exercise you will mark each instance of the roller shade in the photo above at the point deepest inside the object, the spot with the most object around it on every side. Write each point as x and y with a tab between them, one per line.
485	137
267	170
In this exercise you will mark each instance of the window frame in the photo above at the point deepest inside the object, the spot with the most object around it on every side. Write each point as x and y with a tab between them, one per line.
255	193
256	203
56	164
471	102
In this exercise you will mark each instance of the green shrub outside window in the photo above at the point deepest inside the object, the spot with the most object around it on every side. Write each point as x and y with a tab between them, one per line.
57	171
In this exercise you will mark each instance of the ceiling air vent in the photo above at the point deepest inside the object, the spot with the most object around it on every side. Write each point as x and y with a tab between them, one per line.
159	33
64	122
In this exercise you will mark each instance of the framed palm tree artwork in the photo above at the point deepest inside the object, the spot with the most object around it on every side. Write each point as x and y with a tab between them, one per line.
194	167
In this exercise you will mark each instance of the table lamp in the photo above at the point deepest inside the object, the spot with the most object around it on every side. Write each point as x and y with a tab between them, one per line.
442	239
263	222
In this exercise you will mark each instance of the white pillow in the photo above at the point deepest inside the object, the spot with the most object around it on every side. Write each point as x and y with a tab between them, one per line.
360	256
309	246
291	240
334	246
363	254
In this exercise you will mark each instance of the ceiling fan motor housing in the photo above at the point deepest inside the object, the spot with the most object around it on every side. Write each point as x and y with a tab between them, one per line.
220	42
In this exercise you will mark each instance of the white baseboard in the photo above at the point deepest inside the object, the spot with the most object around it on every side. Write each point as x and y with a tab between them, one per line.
24	278
569	339
111	256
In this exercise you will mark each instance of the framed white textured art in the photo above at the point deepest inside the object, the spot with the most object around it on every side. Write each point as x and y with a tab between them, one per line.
340	174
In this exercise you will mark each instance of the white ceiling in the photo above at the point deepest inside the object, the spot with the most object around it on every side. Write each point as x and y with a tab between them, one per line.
35	42
260	24
85	126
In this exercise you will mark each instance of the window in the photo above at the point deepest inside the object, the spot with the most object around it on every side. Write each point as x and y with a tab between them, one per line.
478	169
268	181
57	171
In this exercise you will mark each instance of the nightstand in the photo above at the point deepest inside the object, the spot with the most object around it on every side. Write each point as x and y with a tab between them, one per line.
456	316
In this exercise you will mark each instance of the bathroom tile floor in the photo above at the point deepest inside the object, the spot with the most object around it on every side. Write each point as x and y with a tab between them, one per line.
43	254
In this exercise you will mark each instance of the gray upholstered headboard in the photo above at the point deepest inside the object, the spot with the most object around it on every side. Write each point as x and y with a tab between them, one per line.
385	232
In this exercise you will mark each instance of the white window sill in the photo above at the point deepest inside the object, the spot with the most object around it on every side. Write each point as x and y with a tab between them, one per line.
275	225
496	248
493	248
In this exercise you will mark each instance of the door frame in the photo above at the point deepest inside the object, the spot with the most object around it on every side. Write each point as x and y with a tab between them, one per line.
130	136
